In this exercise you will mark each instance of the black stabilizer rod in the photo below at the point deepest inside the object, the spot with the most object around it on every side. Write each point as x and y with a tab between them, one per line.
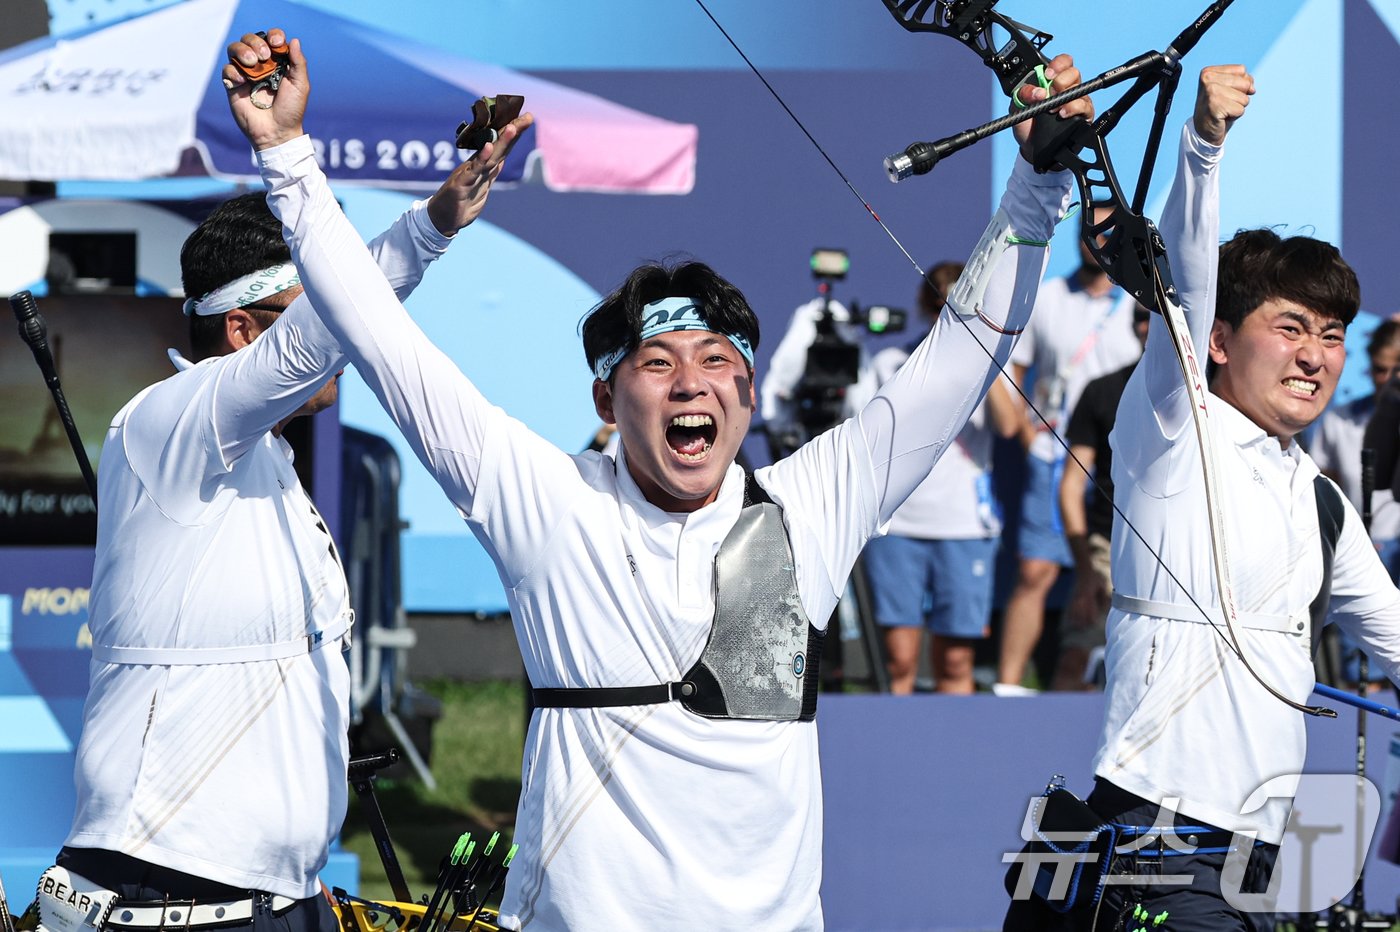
34	332
362	771
1192	33
920	157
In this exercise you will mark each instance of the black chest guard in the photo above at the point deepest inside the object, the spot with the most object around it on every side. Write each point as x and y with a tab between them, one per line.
761	660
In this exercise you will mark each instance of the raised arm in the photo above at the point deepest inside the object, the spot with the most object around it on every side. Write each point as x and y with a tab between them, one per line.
264	383
918	412
269	380
438	409
1191	230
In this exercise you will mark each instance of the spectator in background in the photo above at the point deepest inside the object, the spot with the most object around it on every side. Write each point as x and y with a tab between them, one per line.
1341	435
1383	432
604	440
780	397
1081	329
1088	519
935	567
1336	448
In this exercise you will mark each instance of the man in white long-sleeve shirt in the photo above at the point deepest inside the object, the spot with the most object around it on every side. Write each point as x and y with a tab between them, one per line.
211	774
663	601
1189	733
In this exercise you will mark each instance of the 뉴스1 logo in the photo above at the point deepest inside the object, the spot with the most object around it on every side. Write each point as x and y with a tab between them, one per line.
1317	867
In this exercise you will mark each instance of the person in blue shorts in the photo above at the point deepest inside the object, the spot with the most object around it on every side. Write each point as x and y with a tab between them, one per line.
934	567
1082	329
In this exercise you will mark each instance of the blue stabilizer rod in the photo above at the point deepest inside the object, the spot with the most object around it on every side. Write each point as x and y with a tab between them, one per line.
1366	705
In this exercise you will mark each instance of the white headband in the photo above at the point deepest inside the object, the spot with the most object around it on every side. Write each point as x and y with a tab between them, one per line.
249	289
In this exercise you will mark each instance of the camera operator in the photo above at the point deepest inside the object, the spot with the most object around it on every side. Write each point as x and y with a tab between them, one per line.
820	372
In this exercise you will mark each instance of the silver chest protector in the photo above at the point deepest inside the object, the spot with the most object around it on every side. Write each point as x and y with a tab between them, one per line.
761	660
762	657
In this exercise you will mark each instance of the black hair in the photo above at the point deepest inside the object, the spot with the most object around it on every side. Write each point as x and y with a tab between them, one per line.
935	285
240	236
1386	334
616	321
1259	265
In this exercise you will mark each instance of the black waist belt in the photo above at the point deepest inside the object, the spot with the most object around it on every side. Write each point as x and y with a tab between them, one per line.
597	697
115	870
1185	838
1151	841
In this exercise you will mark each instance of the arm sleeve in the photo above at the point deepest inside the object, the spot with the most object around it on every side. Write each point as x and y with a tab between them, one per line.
440	412
1191	231
1023	353
921	409
268	380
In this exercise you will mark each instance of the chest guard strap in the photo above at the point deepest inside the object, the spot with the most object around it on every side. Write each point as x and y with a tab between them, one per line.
761	660
1330	517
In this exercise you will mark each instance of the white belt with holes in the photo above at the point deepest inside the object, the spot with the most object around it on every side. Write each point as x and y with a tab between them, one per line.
69	902
175	916
1284	624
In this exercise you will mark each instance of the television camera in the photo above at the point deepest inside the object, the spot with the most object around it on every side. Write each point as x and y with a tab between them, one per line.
834	361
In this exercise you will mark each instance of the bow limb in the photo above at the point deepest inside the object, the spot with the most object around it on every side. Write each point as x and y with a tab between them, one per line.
975	24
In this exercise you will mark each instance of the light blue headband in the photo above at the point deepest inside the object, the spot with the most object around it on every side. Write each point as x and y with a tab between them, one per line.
665	316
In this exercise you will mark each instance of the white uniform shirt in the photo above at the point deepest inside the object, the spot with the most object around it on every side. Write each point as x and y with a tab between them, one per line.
235	772
1184	719
1336	448
650	817
1073	339
955	501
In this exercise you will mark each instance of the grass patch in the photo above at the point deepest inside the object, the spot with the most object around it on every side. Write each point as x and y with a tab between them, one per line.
476	761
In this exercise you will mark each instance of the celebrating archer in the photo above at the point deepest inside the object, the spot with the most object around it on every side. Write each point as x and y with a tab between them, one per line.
666	785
